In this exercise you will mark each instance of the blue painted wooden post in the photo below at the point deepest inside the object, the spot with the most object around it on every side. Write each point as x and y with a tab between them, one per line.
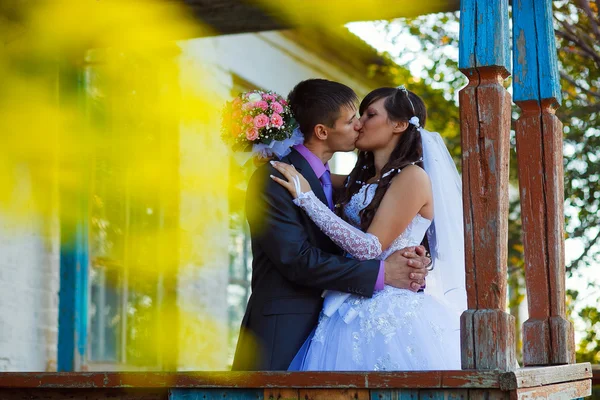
487	331
73	293
547	334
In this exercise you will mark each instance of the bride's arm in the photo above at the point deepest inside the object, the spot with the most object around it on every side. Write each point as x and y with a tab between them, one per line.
409	193
401	203
361	245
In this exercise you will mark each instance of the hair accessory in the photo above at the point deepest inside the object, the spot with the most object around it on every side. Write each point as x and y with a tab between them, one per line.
415	121
403	89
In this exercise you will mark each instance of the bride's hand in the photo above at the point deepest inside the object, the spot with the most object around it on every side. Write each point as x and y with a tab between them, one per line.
294	179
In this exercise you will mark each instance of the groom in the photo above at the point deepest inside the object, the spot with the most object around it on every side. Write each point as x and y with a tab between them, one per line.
293	260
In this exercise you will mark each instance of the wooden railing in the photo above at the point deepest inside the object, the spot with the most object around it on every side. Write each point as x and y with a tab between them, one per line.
567	381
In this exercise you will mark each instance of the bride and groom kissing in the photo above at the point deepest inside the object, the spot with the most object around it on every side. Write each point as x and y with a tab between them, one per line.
359	272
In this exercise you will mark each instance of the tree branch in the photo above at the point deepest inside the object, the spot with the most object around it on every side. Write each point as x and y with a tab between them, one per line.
574	83
585	6
590	244
573	51
581	112
571	36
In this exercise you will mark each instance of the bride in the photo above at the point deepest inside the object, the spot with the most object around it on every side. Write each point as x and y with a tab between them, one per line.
404	188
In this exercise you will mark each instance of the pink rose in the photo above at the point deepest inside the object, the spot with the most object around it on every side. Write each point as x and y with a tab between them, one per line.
248	106
277	107
261	104
276	120
247	119
261	121
268	97
252	134
284	102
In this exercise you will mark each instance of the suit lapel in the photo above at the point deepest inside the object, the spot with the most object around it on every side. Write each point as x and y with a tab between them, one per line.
298	161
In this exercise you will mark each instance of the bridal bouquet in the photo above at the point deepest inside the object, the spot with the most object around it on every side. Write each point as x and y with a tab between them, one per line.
261	124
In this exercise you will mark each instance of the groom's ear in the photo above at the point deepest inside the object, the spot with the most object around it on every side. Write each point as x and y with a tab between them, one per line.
321	132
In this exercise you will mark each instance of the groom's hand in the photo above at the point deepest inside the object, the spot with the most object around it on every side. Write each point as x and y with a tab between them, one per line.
407	268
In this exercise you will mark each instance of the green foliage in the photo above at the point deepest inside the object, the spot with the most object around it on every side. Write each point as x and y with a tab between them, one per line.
578	39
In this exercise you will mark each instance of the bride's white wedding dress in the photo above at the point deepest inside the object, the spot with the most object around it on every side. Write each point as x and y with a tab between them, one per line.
396	329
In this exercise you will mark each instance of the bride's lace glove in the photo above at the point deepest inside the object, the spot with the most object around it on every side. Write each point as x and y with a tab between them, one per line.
361	245
296	183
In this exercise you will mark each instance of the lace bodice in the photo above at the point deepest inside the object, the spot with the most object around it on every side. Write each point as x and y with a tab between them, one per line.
360	245
412	236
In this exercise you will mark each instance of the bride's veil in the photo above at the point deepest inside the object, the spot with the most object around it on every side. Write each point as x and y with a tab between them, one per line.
446	281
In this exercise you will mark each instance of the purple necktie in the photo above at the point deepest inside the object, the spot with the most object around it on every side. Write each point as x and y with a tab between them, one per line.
327	188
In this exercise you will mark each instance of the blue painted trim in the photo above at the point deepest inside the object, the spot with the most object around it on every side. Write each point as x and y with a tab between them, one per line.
74	259
216	394
466	43
525	77
493	35
81	315
73	294
535	59
394	394
547	52
408	394
433	394
67	297
484	34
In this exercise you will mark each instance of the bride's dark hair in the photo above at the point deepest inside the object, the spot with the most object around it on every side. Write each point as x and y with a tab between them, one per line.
401	105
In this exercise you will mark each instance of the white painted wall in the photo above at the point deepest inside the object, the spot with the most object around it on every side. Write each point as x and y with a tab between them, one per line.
29	283
29	248
271	61
204	222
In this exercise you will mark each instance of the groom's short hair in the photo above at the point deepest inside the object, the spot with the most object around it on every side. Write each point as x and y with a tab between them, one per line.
319	101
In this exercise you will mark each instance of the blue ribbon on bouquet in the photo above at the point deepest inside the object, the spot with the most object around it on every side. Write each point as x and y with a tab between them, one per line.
279	148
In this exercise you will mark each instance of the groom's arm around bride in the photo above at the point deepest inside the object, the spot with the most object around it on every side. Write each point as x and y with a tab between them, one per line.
293	262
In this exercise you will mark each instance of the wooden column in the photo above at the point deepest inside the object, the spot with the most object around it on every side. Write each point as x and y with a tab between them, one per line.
547	334
488	331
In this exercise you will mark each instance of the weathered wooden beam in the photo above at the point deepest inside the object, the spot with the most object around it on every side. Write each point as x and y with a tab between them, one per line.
282	381
86	394
570	390
560	391
548	336
487	331
242	16
543	376
476	385
253	380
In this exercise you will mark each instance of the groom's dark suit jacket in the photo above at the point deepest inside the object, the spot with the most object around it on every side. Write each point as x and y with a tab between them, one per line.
293	262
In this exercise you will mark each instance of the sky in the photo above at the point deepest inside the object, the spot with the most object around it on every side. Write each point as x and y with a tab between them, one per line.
372	33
